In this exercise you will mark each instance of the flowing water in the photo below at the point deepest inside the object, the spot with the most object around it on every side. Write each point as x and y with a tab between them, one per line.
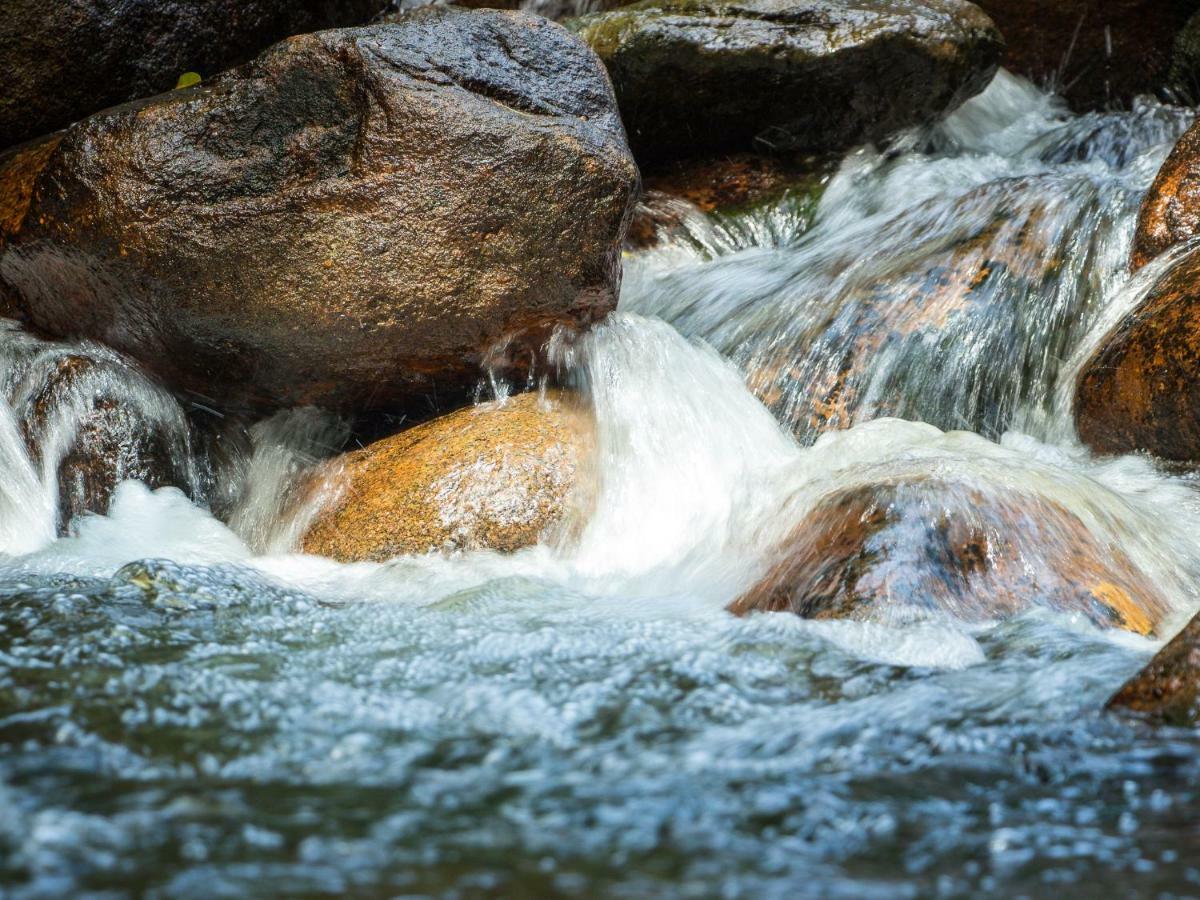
188	708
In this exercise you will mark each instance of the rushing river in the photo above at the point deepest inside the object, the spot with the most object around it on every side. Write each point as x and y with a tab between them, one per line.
188	709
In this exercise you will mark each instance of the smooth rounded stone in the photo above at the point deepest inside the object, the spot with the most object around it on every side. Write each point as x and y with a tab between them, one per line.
64	60
895	549
1167	690
698	77
1170	213
1140	389
354	220
93	422
498	476
1097	53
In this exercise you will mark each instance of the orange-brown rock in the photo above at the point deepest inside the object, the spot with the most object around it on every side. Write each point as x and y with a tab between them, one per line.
1167	690
1140	390
1170	214
496	476
1097	52
887	550
353	220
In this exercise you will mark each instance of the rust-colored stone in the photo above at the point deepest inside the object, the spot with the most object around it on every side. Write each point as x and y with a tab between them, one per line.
1140	390
885	550
19	170
1170	214
495	476
1167	690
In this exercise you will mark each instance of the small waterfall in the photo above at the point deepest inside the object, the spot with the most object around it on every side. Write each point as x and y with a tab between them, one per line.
946	280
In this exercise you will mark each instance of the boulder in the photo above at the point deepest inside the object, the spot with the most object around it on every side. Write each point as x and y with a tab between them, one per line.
1140	389
888	550
1167	690
1098	53
702	77
1170	212
354	220
496	476
62	61
92	421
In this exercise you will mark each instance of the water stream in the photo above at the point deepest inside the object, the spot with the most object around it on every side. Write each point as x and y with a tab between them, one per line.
190	708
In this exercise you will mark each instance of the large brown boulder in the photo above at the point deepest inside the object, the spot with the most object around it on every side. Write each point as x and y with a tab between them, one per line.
1140	389
1170	213
700	77
1167	690
886	550
1096	52
353	220
63	60
496	476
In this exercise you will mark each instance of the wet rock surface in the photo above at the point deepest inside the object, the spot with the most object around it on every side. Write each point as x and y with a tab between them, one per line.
1098	53
1167	691
892	550
1170	214
63	61
694	77
495	477
352	220
1140	390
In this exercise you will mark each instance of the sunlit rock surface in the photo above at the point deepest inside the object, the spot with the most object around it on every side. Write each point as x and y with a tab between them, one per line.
496	476
353	220
1170	213
1140	389
695	78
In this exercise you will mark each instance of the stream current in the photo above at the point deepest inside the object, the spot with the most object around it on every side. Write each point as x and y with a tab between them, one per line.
188	708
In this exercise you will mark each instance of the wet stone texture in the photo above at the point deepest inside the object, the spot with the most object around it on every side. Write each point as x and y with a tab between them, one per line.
695	78
1167	691
495	477
62	61
1140	390
891	550
1170	214
353	220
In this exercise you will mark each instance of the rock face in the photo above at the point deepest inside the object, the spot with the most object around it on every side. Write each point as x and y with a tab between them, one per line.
699	77
1167	691
1140	390
92	421
888	550
62	61
496	476
353	220
1170	214
1097	52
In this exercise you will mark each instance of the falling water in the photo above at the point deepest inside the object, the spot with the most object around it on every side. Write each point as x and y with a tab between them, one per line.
190	708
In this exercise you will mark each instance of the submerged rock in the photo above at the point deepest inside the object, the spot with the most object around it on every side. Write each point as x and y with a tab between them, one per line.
697	77
93	421
1170	213
353	220
64	60
1167	690
1096	52
495	477
1140	390
892	549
